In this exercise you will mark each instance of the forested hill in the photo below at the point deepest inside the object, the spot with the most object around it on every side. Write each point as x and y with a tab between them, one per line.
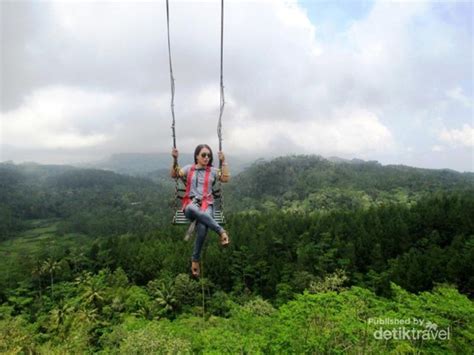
293	184
311	183
88	201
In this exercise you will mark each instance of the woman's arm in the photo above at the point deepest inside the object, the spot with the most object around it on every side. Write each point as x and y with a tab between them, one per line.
175	169
225	174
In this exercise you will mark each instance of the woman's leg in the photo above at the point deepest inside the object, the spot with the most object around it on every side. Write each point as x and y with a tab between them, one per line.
193	211
201	233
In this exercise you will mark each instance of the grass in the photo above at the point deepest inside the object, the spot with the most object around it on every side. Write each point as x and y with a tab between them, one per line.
18	254
31	241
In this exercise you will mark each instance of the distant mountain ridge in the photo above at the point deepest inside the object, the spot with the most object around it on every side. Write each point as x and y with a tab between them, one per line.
148	164
132	163
318	182
144	164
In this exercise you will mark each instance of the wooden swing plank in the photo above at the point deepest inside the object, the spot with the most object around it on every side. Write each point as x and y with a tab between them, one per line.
180	218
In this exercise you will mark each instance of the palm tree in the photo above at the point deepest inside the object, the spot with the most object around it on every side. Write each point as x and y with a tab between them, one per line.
50	266
59	318
92	290
165	297
87	315
78	261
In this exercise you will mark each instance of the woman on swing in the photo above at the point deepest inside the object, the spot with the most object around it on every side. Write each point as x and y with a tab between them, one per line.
198	202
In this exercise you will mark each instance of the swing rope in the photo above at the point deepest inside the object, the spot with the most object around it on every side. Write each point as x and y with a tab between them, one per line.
173	124
222	104
172	80
201	279
222	98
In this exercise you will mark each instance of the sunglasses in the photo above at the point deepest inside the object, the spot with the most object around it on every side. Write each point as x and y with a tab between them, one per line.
204	155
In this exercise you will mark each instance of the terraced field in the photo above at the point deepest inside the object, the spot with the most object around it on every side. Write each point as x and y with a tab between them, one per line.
20	255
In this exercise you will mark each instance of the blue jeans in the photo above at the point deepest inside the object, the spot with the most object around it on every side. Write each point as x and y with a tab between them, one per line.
204	220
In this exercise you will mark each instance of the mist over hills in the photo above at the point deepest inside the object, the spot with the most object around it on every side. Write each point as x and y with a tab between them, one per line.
292	183
274	176
150	164
141	164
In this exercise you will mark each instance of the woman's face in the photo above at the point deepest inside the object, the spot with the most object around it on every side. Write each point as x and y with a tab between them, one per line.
203	157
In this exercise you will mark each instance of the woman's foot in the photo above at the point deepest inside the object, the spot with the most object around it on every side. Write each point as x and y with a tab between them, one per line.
195	270
224	238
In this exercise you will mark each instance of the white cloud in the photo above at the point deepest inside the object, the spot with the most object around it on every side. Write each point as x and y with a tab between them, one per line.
458	137
352	131
207	99
59	117
458	95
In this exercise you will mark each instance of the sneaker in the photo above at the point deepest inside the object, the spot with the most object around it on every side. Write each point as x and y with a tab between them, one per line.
195	269
224	239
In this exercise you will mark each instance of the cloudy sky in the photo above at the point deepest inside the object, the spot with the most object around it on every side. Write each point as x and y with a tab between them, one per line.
376	80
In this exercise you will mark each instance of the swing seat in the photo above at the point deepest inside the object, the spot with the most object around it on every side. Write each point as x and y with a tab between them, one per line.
180	218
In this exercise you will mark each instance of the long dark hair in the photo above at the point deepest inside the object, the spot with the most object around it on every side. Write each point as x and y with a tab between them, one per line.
198	150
